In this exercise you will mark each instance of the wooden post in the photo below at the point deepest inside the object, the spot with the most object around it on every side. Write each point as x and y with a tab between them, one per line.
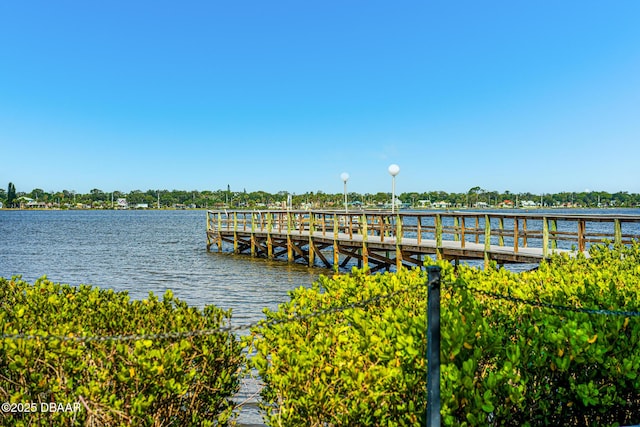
581	235
515	234
269	230
300	222
487	240
311	243
219	232
553	236
478	229
419	230
456	228
209	230
252	239
545	237
524	232
386	229
289	242
336	252
235	232
463	238
253	236
501	228
617	232
438	226
365	252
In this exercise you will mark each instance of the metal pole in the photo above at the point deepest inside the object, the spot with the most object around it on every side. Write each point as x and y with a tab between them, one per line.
345	177
393	171
393	194
346	208
433	347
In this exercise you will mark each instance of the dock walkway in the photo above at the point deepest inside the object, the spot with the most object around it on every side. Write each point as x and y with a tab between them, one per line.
381	239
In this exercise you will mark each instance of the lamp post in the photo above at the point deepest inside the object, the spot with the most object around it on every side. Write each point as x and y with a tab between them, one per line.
393	171
345	177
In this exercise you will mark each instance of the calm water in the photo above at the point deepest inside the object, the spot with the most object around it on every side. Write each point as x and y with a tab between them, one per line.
142	252
147	251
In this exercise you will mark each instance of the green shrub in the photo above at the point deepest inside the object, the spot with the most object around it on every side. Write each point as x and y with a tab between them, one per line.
504	362
537	366
360	366
175	379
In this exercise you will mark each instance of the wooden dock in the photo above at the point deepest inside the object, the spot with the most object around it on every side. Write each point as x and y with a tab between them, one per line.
382	239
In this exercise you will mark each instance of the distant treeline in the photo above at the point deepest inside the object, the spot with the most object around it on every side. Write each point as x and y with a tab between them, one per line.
475	196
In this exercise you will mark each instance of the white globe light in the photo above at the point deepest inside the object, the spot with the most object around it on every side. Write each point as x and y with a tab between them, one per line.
394	169
344	176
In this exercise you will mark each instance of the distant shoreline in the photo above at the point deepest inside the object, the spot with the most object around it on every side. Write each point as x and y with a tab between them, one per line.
371	208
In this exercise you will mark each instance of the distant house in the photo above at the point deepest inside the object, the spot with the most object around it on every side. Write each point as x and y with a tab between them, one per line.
29	203
441	205
34	204
142	206
23	200
122	204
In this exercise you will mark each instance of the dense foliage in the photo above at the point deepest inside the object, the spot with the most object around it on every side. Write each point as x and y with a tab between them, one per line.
504	362
152	380
353	367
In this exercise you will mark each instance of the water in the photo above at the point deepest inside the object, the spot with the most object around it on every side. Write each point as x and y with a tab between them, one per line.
147	251
142	252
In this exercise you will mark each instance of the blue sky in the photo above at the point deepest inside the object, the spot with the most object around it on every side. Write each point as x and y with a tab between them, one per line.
539	96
